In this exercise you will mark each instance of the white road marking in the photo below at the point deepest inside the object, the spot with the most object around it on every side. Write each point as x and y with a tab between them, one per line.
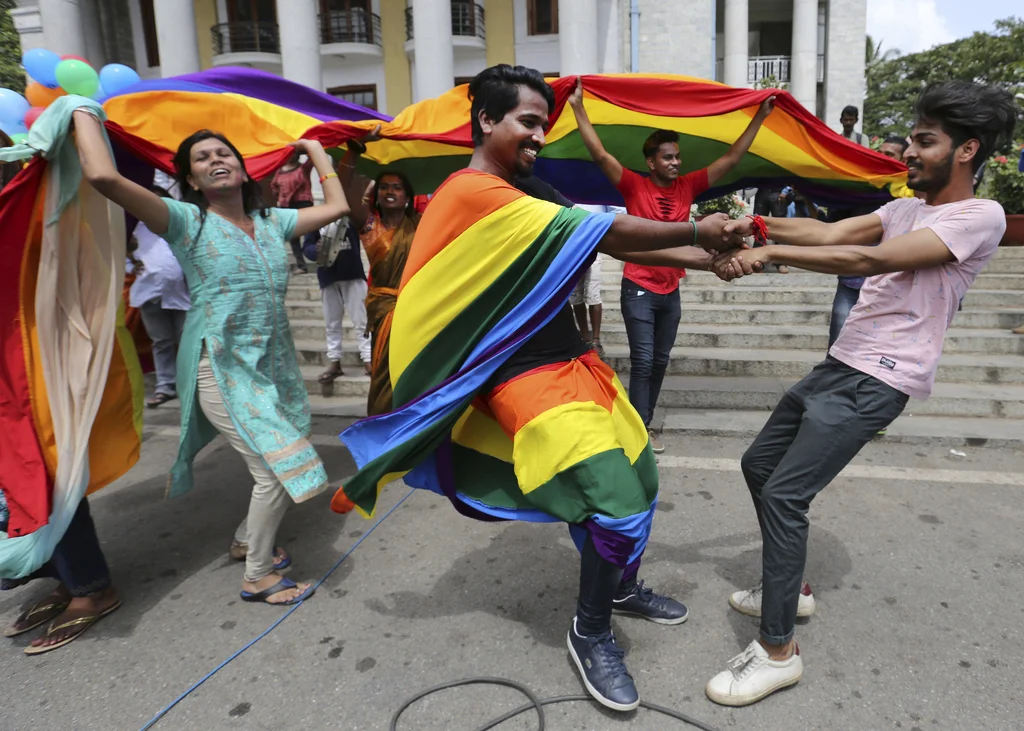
871	472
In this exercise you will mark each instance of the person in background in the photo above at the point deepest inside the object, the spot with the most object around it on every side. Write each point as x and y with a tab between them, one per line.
292	188
385	216
650	295
586	299
335	249
161	296
848	120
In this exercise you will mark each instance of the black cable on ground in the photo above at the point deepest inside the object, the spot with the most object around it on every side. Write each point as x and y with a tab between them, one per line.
535	703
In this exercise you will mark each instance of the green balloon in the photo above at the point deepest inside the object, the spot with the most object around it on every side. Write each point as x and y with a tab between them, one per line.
19	138
77	77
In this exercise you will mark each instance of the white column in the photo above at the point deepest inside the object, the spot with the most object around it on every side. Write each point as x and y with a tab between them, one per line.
300	42
609	33
176	37
432	44
736	42
577	37
803	64
62	27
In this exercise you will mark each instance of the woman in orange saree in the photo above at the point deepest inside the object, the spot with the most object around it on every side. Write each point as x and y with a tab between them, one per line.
386	221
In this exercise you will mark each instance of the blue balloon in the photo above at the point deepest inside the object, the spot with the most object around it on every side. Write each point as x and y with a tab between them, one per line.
101	95
116	77
13	128
41	65
12	106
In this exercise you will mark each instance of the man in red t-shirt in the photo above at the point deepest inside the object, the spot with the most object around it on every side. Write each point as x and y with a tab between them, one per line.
650	295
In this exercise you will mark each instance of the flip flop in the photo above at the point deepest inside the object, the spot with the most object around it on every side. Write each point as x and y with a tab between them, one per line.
83	623
330	376
159	399
279	565
48	611
282	585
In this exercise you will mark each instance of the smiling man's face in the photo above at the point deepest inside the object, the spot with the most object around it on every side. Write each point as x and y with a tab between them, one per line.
514	142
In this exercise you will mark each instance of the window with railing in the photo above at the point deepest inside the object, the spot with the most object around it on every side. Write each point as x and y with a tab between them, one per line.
251	28
541	17
349	21
365	95
467	20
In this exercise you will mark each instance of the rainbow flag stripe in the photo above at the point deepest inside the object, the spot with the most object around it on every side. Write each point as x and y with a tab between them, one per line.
488	268
428	141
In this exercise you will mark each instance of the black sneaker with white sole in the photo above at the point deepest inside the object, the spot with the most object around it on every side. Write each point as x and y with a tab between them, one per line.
601	666
643	602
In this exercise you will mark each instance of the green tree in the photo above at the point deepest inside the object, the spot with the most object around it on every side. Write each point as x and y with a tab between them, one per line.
874	54
11	74
894	83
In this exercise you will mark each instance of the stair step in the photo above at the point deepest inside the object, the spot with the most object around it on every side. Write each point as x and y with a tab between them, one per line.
746	393
909	428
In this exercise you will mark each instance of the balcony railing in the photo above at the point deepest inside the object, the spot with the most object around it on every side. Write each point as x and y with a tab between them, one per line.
764	67
350	26
245	37
467	20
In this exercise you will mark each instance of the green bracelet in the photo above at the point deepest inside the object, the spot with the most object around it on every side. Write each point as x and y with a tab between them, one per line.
694	232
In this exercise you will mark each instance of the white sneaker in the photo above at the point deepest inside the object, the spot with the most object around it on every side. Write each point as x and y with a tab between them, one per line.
748	601
752	675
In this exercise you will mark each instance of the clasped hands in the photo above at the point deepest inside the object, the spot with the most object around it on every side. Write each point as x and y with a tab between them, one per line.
733	258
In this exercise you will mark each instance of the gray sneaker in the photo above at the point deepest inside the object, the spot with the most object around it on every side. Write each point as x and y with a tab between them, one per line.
656	444
604	673
643	602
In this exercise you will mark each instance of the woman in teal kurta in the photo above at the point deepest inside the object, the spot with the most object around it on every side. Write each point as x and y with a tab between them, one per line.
237	368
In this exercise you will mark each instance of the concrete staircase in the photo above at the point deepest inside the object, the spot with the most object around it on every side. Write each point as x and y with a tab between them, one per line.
741	345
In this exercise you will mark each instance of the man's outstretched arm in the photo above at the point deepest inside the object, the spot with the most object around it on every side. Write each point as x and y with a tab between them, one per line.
721	167
632	235
857	231
611	167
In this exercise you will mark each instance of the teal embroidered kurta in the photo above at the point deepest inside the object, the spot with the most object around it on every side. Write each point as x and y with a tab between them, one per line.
238	288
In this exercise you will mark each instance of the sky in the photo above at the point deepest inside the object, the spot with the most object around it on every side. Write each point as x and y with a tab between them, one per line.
916	25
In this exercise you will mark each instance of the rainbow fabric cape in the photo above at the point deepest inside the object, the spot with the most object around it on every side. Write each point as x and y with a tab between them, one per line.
428	141
489	267
68	367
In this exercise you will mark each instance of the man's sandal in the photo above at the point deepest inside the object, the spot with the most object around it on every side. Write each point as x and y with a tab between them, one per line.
45	609
159	399
81	624
282	585
239	551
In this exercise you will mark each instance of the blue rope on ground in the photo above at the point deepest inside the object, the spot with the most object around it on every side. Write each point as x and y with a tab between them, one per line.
274	626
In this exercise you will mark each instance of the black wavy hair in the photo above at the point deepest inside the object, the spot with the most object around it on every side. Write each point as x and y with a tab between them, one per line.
495	91
251	198
410	210
657	139
850	111
969	111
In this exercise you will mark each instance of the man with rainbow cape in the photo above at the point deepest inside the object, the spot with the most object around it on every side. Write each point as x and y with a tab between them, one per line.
499	405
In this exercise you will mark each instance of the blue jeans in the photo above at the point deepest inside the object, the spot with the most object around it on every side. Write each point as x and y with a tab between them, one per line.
652	321
846	297
164	328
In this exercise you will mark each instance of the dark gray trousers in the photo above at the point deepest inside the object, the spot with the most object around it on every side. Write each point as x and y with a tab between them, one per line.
817	428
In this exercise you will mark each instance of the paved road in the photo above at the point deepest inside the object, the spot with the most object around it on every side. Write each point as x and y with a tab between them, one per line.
918	575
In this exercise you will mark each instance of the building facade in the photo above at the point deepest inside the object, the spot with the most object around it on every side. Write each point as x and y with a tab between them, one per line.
386	54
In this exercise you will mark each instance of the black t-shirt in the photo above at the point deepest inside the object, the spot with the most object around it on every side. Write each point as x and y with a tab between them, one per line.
557	342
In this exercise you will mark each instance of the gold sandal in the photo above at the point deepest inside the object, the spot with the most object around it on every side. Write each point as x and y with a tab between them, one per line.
49	610
83	623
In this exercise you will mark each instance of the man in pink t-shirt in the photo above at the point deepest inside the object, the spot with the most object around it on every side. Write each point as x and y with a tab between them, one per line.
928	254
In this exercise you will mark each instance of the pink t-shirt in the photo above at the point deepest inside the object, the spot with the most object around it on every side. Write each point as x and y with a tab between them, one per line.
896	330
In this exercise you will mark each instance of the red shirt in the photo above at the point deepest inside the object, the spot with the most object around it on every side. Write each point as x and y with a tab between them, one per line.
646	200
293	186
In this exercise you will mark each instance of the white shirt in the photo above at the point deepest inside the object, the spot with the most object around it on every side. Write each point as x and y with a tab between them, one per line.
161	274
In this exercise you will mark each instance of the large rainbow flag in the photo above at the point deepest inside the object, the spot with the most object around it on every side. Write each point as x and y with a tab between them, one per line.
68	368
428	141
490	266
